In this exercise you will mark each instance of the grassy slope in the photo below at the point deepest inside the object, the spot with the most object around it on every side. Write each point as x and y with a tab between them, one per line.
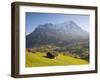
38	59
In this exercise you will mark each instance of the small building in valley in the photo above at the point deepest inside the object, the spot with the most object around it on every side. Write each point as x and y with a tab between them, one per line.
51	55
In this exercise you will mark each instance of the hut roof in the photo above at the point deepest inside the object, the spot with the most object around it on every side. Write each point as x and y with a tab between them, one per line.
53	53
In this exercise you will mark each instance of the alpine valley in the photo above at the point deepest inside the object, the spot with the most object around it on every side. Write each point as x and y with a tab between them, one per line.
67	39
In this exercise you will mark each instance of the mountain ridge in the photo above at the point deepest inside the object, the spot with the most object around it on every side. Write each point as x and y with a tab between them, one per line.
54	33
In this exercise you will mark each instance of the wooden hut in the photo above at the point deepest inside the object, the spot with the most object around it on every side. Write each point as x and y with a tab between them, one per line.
51	55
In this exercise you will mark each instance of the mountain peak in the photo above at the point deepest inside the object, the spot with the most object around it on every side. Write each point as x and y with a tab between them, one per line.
67	32
66	27
45	25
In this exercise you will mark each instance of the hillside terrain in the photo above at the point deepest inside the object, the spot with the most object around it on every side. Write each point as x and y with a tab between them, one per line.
38	59
67	41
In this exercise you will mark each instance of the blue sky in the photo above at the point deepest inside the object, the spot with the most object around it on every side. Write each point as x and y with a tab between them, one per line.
34	19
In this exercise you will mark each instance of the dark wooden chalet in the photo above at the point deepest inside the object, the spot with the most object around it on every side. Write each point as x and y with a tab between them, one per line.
51	55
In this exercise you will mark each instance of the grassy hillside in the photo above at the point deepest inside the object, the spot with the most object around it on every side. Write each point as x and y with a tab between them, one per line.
39	59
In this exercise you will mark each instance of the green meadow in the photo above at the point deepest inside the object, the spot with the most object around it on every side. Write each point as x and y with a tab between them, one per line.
38	59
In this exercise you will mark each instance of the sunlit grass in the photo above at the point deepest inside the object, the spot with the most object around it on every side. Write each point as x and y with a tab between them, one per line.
38	59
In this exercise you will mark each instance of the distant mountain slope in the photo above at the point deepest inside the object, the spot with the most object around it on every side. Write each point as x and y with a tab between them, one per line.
56	34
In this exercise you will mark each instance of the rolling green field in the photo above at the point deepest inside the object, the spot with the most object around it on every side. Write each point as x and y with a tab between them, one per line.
38	59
